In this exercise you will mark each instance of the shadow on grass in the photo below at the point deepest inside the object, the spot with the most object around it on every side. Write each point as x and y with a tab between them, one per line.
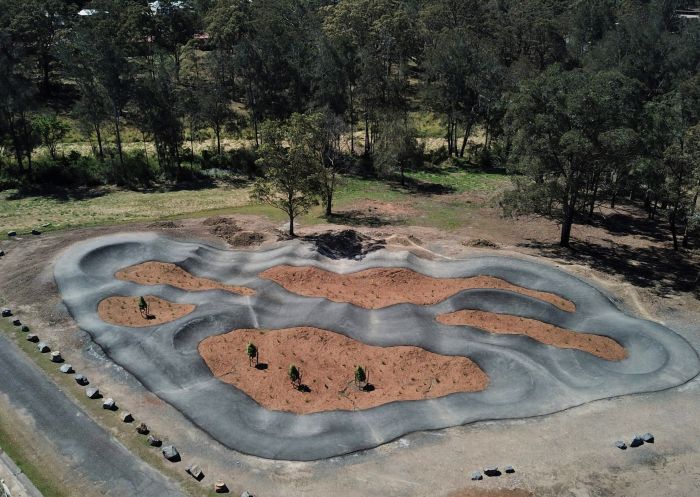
359	218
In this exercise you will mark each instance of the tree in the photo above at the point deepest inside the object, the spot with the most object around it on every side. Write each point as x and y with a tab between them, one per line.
360	377
51	130
396	147
294	376
560	122
252	352
143	308
289	164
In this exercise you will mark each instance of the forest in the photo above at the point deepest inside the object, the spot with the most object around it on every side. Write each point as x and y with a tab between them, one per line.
580	102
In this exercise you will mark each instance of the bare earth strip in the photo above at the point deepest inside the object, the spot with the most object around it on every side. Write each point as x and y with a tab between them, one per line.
377	288
161	273
327	362
124	311
598	345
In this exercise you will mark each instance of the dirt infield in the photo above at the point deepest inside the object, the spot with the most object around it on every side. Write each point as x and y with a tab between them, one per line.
124	311
327	362
598	345
161	273
377	288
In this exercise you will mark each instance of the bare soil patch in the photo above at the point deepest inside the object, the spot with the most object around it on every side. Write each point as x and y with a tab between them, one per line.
327	361
598	345
377	288
161	273
124	311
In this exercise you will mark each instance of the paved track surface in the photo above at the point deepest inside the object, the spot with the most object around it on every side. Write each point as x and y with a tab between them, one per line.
527	378
82	448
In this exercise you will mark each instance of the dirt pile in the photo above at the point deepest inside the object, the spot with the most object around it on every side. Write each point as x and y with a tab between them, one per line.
598	345
161	273
125	311
347	244
327	363
377	288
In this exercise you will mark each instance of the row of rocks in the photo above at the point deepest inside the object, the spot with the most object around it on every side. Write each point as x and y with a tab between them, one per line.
169	452
637	441
492	471
36	232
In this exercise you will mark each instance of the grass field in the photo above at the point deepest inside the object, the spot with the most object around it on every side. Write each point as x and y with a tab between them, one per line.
447	209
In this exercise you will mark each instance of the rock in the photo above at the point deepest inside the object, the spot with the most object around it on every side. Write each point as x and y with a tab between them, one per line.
46	225
92	393
66	368
220	487
142	429
196	472
621	445
32	338
127	417
109	404
2	253
25	328
637	441
81	379
476	475
509	469
17	322
171	453
6	313
43	348
246	494
11	233
36	232
154	441
56	356
492	471
648	438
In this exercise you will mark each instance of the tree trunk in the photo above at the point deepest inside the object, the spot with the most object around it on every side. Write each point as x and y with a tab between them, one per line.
217	132
291	224
117	131
568	221
672	222
467	133
366	133
693	206
100	150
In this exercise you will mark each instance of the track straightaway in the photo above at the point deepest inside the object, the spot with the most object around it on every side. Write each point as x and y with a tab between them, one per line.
527	378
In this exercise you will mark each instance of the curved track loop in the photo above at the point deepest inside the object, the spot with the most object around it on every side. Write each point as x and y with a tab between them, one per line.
527	378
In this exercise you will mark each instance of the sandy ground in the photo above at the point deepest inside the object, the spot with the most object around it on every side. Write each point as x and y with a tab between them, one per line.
568	454
327	363
598	345
161	273
377	288
124	311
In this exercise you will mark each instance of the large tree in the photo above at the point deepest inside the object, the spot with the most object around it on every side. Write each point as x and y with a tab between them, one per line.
562	123
289	164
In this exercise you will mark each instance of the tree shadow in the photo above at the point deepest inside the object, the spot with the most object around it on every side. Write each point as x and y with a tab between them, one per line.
661	269
419	187
304	388
359	218
58	194
261	366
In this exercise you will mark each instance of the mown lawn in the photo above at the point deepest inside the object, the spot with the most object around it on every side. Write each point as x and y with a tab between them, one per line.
438	196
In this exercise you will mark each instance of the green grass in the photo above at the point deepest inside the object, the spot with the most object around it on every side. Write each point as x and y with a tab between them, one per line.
113	206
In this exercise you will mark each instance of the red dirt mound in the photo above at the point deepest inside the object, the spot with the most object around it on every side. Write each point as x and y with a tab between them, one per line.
124	311
376	288
327	362
598	345
161	273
